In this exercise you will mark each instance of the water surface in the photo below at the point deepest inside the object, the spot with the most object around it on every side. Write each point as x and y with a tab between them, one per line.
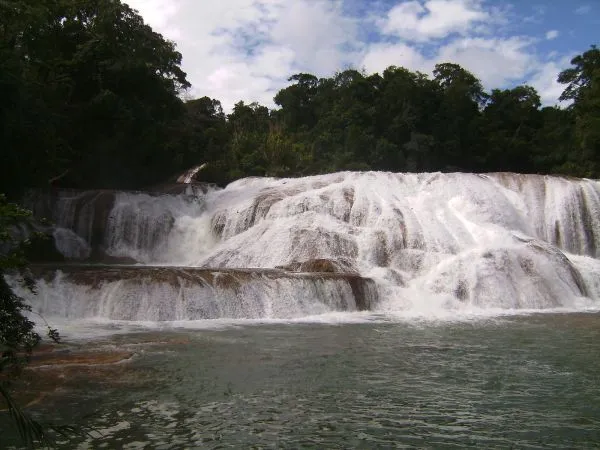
526	382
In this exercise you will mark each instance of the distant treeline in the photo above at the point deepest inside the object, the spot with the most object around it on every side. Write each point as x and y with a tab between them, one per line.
92	97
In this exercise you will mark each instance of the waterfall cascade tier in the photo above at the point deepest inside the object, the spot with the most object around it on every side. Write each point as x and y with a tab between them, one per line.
431	240
188	293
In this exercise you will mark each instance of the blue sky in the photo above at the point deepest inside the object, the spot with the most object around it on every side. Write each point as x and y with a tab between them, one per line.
246	49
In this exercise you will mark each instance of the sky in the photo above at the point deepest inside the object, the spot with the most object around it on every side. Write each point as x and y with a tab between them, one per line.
247	49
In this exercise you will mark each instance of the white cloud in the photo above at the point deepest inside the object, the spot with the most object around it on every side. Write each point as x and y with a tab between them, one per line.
157	13
552	34
539	11
497	62
246	49
583	9
316	32
381	56
545	80
416	21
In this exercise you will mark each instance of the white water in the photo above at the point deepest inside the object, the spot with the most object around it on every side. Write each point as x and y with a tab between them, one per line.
432	242
185	297
156	230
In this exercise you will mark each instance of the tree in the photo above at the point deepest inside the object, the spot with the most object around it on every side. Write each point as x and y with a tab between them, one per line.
579	79
201	136
93	92
248	128
554	148
451	76
510	123
297	101
583	88
461	98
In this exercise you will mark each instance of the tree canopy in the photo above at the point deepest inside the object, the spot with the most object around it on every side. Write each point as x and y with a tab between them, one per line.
406	121
90	94
92	97
583	88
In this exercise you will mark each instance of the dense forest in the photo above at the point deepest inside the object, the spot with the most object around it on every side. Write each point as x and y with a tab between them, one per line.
92	97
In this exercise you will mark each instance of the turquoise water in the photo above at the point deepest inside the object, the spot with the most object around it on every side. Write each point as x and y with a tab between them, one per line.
522	382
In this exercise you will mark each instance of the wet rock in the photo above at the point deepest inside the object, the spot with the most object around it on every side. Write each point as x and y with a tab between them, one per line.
321	265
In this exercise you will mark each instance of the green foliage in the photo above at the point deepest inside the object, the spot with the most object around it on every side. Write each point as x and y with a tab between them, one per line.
17	334
90	95
91	98
405	121
510	123
583	87
579	79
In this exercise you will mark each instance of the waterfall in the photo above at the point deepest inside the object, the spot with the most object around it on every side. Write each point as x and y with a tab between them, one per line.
147	228
169	293
458	242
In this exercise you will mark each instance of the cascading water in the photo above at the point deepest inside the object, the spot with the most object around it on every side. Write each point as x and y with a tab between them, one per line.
159	293
153	229
429	242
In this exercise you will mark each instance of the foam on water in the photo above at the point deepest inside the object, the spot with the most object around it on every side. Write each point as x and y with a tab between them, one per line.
98	328
435	244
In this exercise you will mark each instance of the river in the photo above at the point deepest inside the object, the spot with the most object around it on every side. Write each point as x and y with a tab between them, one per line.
344	381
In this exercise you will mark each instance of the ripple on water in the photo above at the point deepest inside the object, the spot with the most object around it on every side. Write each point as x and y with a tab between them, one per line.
527	382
